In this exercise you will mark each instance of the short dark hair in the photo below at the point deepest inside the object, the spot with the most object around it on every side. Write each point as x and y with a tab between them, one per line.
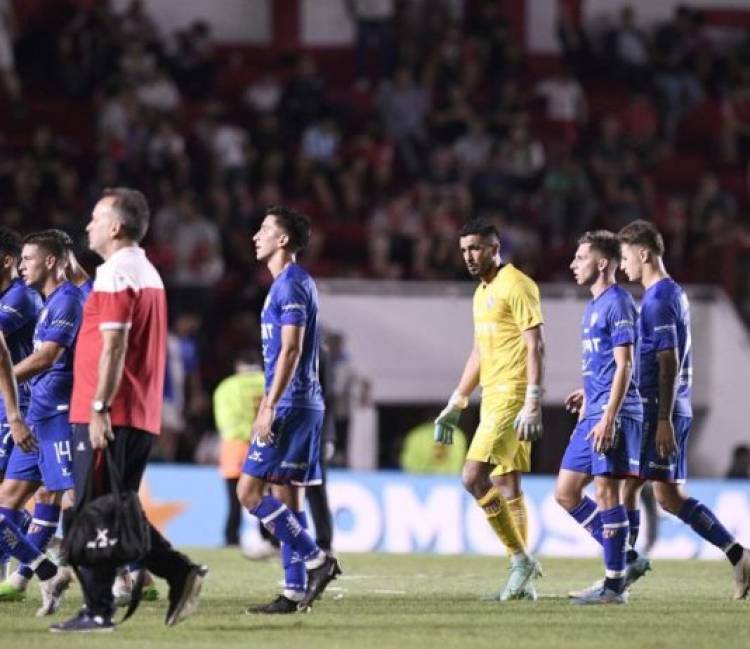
63	237
642	233
480	227
604	241
50	243
295	224
132	208
10	242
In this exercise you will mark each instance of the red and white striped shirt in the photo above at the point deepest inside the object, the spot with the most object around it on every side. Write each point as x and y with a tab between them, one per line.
128	294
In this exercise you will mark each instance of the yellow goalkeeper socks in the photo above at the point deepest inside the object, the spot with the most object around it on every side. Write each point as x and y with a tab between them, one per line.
501	521
517	508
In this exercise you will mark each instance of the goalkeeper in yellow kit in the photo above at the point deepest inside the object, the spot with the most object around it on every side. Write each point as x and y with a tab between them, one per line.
507	361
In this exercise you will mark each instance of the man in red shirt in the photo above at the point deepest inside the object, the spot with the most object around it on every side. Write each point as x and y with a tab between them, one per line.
118	380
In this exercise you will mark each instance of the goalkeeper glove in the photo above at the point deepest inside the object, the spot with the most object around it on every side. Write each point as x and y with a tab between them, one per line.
447	420
528	422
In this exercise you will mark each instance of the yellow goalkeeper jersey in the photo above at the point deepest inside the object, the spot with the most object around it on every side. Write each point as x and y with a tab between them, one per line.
503	309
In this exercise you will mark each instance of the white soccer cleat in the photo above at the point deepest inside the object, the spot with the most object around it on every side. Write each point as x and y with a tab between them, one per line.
742	576
53	591
122	589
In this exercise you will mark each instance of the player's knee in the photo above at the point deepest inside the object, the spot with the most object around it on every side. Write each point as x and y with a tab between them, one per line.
669	499
566	498
473	483
249	494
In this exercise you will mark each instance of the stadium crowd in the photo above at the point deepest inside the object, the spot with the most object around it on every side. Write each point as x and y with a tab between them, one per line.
388	149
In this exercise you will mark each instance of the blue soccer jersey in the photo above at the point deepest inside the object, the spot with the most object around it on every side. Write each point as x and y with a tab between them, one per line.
87	287
664	324
19	310
608	322
58	322
293	300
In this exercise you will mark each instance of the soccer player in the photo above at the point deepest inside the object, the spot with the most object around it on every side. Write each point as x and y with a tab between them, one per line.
507	361
75	272
19	308
49	371
605	443
666	371
285	450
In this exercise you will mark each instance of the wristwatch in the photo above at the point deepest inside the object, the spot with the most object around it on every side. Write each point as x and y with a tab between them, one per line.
100	406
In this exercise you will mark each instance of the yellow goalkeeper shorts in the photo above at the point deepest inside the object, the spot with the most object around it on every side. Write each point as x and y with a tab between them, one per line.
495	440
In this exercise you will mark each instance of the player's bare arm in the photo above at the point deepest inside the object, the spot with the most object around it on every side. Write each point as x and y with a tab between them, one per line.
39	361
292	338
111	365
528	423
604	432
669	366
470	376
20	432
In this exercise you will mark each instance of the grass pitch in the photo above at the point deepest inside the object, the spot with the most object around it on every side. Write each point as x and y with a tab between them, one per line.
419	601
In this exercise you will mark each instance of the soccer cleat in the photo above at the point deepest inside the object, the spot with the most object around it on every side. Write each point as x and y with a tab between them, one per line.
602	596
261	551
522	570
122	590
184	595
53	591
636	569
742	576
318	578
10	592
529	593
280	606
84	622
589	590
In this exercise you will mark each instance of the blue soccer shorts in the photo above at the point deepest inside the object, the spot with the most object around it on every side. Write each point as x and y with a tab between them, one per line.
52	462
621	461
674	467
294	455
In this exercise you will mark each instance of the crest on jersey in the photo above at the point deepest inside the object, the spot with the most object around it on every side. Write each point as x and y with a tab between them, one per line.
490	303
594	318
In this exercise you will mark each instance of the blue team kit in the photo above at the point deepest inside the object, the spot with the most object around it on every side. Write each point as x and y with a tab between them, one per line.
47	415
664	324
293	457
608	322
19	309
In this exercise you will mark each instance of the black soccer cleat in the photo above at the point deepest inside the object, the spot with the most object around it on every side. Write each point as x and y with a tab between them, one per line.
84	622
280	606
318	579
184	594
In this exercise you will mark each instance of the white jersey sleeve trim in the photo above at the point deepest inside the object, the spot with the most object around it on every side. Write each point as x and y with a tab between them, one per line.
109	326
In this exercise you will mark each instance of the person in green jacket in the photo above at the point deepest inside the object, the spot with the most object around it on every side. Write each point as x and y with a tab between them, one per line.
236	400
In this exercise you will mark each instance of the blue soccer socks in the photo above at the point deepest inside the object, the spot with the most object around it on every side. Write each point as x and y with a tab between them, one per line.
614	541
285	526
40	532
589	517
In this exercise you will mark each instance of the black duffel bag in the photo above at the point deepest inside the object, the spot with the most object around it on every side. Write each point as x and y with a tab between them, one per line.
106	530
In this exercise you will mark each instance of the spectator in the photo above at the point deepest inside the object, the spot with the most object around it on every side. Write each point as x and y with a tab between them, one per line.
263	95
7	61
631	47
184	398
740	465
566	105
403	105
373	23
